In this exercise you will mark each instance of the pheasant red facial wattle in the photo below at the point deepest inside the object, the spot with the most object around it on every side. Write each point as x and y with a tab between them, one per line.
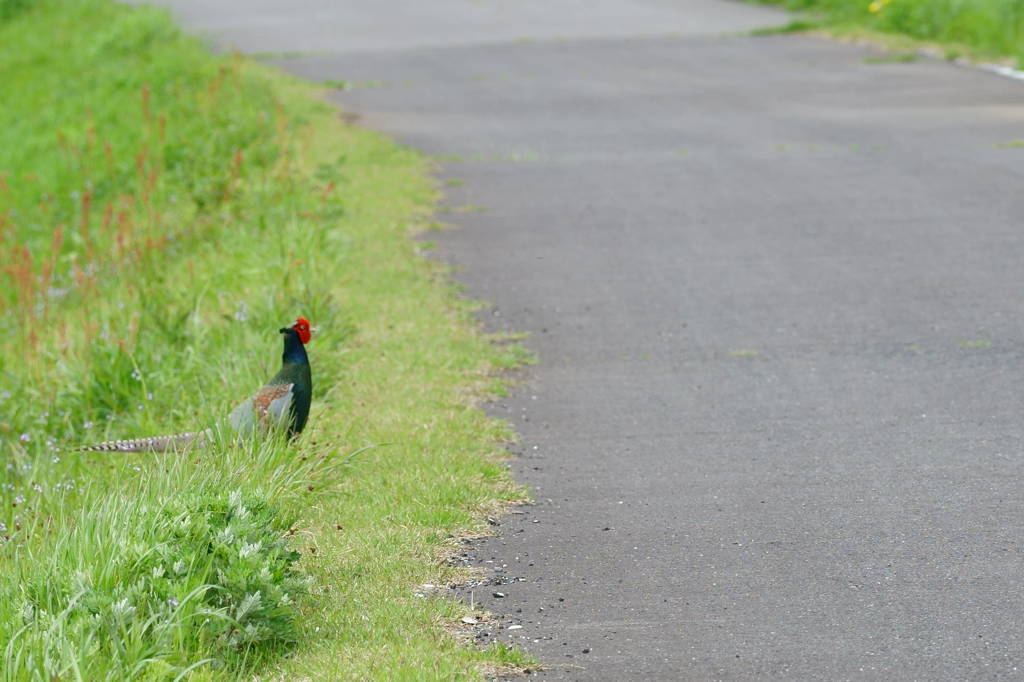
304	329
282	403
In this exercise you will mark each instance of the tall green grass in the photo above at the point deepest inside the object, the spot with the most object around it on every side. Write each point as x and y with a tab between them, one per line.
990	27
162	213
9	8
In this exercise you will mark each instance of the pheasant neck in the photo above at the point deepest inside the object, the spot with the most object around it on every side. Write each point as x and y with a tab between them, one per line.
294	351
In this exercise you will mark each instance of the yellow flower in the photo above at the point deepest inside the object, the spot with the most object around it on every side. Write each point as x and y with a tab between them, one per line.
875	6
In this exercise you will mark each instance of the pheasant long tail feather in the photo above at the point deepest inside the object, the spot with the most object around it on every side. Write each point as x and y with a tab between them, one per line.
178	441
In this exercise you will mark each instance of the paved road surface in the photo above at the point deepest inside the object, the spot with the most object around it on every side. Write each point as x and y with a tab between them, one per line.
776	290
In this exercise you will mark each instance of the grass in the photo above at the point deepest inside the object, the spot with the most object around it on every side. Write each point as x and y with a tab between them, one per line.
981	28
897	58
795	26
159	220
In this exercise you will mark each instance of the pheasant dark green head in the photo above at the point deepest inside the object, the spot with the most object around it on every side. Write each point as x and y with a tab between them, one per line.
295	339
302	328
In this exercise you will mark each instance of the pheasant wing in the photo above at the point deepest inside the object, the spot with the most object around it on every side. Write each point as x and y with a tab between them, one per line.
271	406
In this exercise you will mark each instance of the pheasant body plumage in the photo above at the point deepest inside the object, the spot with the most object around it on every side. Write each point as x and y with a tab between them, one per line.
282	403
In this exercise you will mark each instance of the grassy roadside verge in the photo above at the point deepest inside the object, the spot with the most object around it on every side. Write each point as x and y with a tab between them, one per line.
162	213
979	29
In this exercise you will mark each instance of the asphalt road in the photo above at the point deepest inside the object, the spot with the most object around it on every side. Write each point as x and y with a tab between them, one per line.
775	289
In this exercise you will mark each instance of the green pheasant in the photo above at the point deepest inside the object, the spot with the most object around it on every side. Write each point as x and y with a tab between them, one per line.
282	403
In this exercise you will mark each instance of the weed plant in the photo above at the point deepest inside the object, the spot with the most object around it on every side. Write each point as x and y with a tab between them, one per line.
989	27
